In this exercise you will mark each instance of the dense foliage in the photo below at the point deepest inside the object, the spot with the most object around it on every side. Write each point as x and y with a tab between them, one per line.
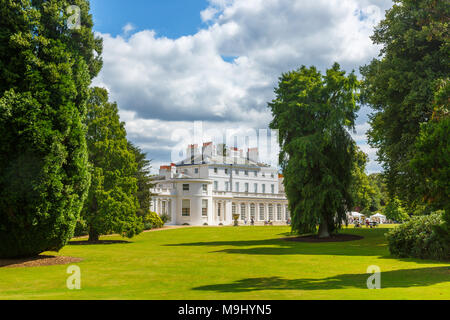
45	72
143	178
313	113
418	239
363	192
401	87
165	218
381	196
394	211
112	204
152	221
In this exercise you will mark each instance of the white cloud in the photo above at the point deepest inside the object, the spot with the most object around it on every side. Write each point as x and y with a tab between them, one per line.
128	28
208	14
225	73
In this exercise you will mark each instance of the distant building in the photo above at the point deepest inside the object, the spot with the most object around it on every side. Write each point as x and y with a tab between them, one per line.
216	182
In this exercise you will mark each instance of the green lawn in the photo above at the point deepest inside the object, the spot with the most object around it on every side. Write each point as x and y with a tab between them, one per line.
232	263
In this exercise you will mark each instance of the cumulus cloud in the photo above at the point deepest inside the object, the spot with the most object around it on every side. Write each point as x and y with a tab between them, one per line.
128	28
225	73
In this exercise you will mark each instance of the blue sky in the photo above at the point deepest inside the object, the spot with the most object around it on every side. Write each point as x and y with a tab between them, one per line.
169	64
173	18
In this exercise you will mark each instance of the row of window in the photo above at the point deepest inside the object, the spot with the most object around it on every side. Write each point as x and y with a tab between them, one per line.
186	210
237	187
227	171
186	187
246	172
262	211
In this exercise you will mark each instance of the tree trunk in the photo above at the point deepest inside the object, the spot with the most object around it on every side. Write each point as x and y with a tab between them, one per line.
323	230
93	235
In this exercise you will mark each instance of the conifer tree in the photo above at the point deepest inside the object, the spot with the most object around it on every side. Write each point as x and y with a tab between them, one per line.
312	113
46	68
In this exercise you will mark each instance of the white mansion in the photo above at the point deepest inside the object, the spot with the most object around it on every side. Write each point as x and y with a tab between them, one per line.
216	183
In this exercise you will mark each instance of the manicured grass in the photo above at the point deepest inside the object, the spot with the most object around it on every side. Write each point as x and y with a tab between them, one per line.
232	263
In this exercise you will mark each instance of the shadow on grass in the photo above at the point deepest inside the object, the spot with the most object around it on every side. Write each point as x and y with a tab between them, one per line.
283	247
100	242
391	279
374	244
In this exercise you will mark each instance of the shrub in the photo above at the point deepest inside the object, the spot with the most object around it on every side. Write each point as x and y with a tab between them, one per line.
417	239
165	218
152	221
443	230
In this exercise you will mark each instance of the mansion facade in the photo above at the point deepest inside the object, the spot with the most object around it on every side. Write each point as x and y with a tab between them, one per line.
217	182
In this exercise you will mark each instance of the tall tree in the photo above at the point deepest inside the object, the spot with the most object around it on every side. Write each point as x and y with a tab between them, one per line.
144	179
401	84
378	184
46	68
312	113
432	160
362	191
112	204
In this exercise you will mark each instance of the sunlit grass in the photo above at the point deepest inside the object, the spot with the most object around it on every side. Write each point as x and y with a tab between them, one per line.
232	263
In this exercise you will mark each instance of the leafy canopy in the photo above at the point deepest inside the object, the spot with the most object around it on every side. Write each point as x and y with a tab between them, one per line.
46	69
400	86
112	204
313	113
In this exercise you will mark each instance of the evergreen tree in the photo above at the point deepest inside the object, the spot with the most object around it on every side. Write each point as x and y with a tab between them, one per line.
312	113
112	204
400	87
46	68
144	179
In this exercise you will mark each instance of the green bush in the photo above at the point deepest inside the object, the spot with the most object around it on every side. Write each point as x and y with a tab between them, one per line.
152	221
417	239
165	218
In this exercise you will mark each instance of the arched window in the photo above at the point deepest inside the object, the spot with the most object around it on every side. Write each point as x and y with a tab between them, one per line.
262	212
233	208
243	211
279	213
270	212
253	211
288	214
